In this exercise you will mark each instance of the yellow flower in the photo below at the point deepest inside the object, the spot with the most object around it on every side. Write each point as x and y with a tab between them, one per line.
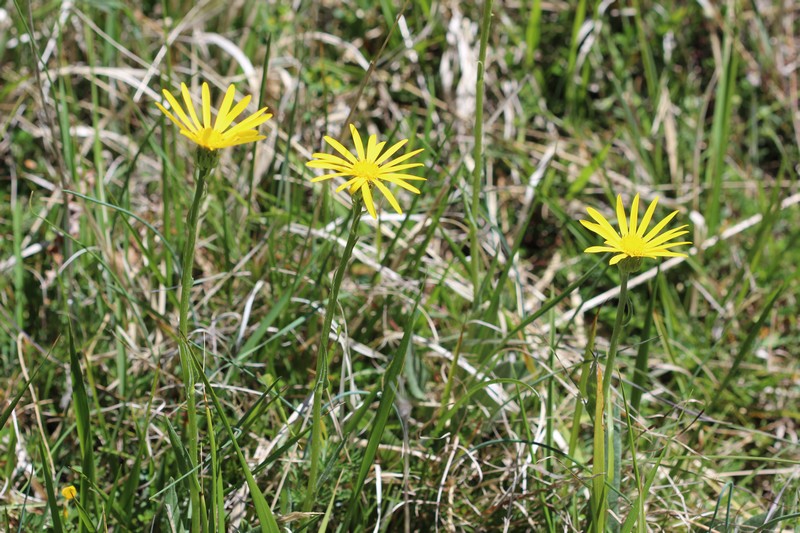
632	241
368	167
218	135
69	492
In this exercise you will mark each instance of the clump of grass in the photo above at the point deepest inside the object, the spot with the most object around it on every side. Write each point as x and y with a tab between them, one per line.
459	366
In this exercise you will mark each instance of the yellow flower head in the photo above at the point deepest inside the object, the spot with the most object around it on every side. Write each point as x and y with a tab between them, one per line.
368	167
218	135
69	492
631	241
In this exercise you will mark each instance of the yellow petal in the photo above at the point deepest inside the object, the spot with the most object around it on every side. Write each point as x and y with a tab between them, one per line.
176	107
223	121
668	236
241	140
206	106
251	122
357	142
601	230
398	168
234	113
634	213
315	163
617	258
355	182
400	183
389	196
170	116
400	159
658	227
647	216
599	249
407	177
187	99
367	195
621	220
601	221
326	177
341	149
390	152
371	145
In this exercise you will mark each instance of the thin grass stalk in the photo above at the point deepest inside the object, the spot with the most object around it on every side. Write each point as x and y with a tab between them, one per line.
598	493
615	334
322	358
448	386
217	507
187	264
266	518
640	368
478	152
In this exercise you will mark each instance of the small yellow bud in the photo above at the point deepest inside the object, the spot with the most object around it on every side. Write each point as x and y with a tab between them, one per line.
69	492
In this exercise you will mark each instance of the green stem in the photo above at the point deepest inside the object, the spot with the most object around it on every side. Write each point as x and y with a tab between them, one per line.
477	155
612	349
187	265
322	358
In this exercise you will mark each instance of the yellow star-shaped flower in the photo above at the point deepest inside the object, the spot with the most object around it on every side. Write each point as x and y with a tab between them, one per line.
219	134
632	241
368	167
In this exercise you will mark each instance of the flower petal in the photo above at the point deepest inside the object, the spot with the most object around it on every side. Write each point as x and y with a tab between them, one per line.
373	147
367	195
658	227
355	182
315	163
240	140
634	213
170	116
670	245
390	152
206	106
397	168
600	249
333	159
601	220
400	183
668	236
358	143
176	107
600	230
222	121
234	113
327	177
389	196
187	99
336	145
407	177
621	220
394	162
251	122
617	258
647	216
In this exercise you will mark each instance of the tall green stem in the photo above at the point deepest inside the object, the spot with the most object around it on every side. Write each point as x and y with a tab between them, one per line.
612	349
322	358
477	155
187	265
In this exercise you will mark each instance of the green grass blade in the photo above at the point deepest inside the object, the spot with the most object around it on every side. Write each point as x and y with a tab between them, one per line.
389	391
265	516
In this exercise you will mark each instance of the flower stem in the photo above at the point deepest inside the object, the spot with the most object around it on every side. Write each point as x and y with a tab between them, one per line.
322	358
477	155
612	349
187	264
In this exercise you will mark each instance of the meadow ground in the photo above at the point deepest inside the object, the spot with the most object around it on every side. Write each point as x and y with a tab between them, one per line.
473	368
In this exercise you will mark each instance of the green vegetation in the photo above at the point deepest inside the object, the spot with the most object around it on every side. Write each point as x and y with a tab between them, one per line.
466	355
